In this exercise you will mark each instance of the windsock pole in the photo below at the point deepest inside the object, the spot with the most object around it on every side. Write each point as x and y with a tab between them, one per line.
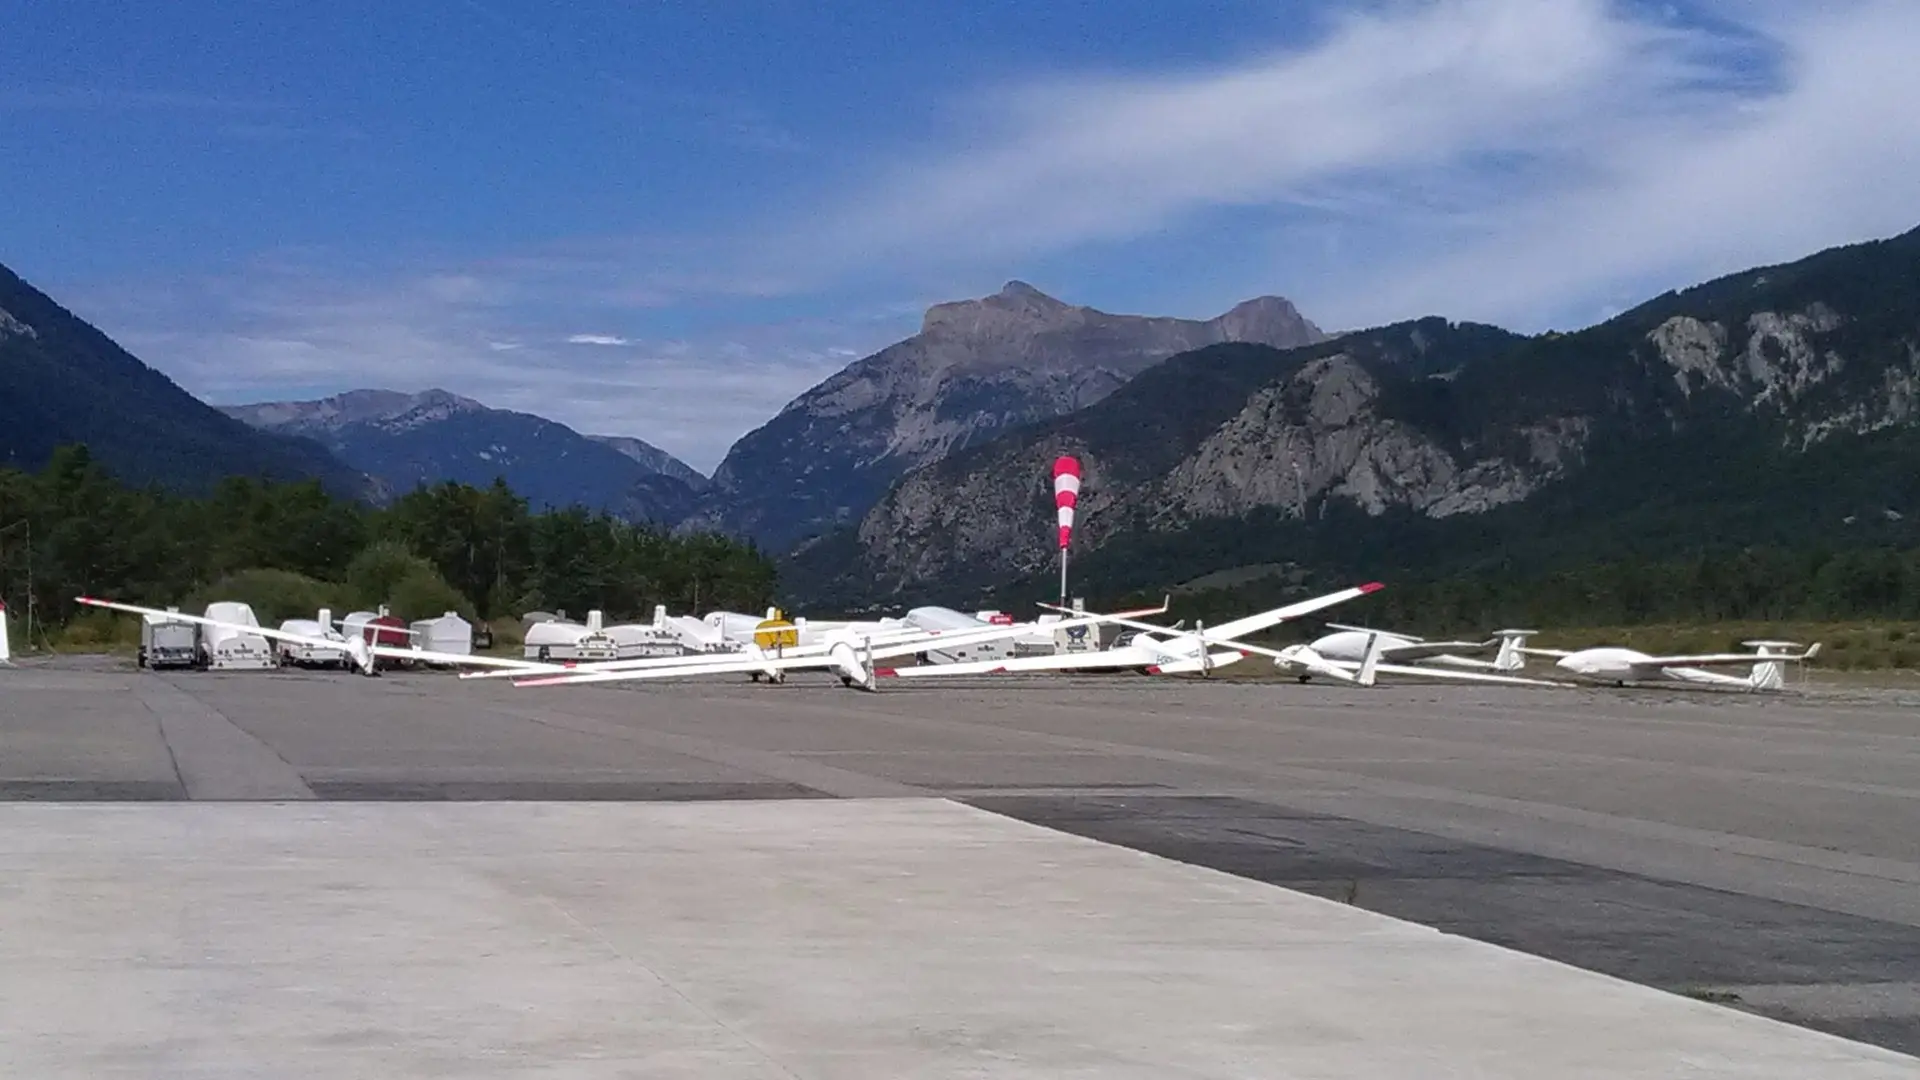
1063	577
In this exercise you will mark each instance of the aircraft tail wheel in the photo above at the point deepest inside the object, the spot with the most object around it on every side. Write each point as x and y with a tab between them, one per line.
846	680
1306	678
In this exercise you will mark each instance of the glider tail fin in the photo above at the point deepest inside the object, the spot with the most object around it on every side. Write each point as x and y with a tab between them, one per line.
1510	658
1772	674
1370	663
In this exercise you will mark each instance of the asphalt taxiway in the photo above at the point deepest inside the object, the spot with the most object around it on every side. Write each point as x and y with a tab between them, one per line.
1758	854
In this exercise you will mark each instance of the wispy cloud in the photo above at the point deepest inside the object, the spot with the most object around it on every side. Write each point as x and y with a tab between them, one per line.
290	329
1510	158
1530	162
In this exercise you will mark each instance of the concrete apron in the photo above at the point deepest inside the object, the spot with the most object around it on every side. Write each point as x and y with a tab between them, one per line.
822	938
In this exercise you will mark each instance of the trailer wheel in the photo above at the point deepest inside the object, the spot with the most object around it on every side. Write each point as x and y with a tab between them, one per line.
140	659
544	654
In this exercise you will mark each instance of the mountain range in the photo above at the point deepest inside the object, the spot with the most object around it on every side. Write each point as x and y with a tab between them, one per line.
63	381
406	440
976	370
1779	402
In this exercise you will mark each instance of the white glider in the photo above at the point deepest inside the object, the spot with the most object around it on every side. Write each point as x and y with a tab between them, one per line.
1341	655
846	654
1621	667
1305	661
1157	650
749	653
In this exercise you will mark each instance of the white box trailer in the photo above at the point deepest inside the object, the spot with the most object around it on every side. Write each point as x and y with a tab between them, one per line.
447	634
168	643
225	648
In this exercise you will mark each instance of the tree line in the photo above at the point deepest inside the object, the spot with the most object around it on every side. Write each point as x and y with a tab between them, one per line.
72	529
1760	584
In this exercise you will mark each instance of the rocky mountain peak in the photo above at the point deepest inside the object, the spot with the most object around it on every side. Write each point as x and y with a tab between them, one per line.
353	407
977	369
1017	309
1267	320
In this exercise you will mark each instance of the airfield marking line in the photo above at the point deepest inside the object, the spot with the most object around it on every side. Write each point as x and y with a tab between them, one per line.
840	783
214	758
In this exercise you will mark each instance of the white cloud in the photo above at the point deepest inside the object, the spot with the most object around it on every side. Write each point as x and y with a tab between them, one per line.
1518	159
288	330
1529	162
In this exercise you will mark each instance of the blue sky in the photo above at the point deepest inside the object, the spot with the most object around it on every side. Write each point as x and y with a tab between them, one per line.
665	220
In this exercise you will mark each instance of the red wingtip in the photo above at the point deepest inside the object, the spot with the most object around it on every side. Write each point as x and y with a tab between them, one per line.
1371	586
1153	669
884	673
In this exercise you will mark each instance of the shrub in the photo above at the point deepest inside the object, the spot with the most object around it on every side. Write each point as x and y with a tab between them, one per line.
274	595
374	574
424	594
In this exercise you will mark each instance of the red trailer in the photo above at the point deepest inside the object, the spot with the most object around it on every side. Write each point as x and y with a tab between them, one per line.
379	629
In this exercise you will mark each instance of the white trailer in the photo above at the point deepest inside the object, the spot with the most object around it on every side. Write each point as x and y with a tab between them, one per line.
302	654
168	643
947	619
634	642
448	634
559	639
225	648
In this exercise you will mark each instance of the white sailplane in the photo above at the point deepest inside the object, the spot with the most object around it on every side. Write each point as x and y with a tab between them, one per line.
1306	661
1338	655
750	658
1156	650
847	654
1623	667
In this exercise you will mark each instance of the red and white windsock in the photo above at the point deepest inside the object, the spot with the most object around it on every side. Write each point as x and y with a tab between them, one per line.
1066	492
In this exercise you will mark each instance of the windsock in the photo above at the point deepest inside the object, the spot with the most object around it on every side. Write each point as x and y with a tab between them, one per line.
1066	491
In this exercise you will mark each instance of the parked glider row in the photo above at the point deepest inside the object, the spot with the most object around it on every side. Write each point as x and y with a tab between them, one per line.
1348	654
